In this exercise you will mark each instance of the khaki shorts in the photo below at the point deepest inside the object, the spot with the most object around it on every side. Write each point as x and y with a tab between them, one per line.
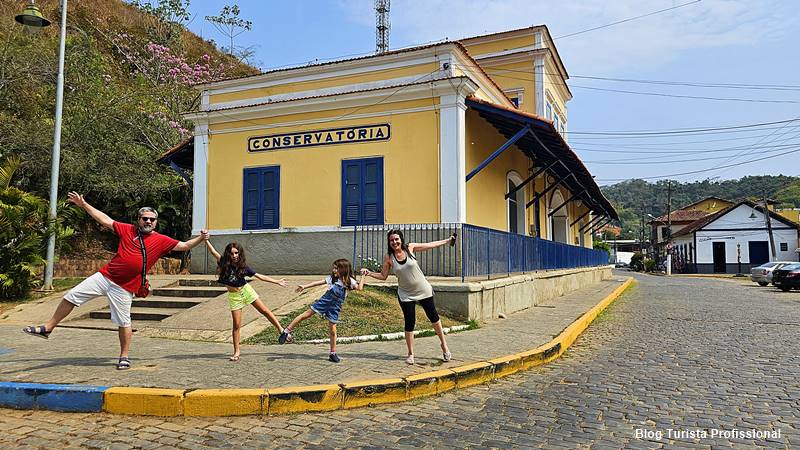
241	298
119	300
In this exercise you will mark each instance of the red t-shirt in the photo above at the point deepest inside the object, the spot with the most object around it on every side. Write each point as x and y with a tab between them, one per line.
125	268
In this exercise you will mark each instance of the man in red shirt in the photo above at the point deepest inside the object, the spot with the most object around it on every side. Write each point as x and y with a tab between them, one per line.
122	276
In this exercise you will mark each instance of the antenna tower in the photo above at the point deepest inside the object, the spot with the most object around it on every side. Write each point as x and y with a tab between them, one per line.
382	25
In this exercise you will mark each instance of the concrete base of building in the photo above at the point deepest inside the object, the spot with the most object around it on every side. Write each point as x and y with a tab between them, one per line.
484	300
285	253
729	268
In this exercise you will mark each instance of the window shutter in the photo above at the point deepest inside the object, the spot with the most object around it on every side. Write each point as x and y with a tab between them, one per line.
351	185
269	198
362	191
251	198
373	195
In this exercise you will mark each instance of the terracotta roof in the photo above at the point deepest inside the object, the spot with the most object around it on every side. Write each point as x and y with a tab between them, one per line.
714	216
681	215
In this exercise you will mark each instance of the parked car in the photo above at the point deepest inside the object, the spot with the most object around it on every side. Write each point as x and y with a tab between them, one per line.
763	274
787	277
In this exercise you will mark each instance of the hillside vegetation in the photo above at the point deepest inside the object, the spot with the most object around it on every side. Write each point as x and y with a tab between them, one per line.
128	78
635	198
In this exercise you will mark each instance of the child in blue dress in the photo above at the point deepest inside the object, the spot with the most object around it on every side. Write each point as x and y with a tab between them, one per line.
330	304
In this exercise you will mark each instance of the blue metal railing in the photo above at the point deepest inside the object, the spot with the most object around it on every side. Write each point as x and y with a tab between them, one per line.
489	252
370	246
480	251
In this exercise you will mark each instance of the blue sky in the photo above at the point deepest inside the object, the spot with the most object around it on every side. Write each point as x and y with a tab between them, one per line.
712	41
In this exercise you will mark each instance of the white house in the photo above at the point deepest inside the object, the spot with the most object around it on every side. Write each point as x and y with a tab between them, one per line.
736	238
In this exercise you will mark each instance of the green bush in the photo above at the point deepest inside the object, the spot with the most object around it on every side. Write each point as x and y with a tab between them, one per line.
637	262
649	265
602	245
24	228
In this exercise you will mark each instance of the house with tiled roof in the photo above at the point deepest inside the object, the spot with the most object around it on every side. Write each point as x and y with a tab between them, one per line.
683	217
735	239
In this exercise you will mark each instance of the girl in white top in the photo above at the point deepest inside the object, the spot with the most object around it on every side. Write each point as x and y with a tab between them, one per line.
412	287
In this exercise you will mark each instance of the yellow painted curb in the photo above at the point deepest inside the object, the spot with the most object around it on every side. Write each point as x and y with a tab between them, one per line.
143	401
506	365
373	392
224	402
472	374
430	383
298	399
540	355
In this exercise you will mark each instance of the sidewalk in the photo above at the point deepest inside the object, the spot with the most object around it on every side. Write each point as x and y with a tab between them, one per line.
81	356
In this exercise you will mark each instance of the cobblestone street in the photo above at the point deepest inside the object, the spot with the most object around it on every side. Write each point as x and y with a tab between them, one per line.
686	354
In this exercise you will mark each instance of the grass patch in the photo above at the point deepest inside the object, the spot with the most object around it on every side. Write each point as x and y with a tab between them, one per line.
371	311
59	284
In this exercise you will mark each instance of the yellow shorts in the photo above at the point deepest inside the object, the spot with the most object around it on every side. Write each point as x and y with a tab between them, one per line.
242	297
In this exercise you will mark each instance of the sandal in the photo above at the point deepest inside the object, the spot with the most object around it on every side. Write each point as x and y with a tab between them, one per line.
234	358
124	364
38	331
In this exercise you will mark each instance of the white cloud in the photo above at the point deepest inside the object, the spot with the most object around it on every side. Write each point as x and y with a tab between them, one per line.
646	43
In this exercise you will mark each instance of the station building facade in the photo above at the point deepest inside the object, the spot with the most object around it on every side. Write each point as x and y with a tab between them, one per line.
288	162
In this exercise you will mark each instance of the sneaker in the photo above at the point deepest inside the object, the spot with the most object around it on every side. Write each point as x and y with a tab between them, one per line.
333	357
285	334
447	356
410	360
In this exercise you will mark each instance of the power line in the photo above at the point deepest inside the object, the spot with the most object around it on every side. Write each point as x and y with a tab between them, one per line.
654	145
625	20
695	97
703	170
666	152
655	160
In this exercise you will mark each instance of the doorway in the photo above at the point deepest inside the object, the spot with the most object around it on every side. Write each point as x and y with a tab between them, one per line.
718	249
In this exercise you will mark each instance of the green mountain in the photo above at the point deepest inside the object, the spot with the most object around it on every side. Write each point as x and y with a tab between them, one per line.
636	198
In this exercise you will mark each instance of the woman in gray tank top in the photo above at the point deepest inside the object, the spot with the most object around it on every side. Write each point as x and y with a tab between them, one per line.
412	287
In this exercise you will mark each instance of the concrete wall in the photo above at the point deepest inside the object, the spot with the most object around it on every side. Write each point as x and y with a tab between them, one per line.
283	253
483	300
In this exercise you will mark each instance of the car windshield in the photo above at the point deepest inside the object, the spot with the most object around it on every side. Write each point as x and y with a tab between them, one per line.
767	265
793	266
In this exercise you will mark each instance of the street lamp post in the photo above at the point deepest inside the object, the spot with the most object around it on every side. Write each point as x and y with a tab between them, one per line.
31	17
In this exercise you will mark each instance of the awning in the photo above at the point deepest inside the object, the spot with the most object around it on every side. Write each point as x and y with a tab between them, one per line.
545	145
182	155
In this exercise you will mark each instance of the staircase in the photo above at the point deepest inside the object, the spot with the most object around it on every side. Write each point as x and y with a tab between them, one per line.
164	302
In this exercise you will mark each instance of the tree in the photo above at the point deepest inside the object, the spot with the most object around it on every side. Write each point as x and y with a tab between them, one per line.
229	24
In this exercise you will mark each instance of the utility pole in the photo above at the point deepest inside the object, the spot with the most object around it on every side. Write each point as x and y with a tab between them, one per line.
669	227
769	227
641	234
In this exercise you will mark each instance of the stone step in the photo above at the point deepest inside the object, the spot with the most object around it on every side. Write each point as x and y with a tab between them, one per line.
165	302
152	314
189	291
198	283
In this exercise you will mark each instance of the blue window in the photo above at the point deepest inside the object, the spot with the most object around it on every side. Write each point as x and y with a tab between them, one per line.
261	208
362	191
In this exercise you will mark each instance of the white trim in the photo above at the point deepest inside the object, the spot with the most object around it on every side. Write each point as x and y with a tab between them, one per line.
343	89
200	175
538	80
520	197
309	229
538	41
341	101
452	159
476	74
501	36
326	75
331	68
524	51
323	120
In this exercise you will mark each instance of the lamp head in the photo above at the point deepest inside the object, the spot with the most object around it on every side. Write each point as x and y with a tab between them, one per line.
32	18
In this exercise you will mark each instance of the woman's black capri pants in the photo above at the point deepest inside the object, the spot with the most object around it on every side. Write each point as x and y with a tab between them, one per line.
410	316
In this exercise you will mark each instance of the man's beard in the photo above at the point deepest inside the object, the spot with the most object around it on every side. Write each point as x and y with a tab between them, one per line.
146	228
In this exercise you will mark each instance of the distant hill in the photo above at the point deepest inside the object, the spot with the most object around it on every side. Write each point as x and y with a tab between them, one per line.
634	198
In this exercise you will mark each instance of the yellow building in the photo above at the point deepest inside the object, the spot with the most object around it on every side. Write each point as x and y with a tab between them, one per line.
470	132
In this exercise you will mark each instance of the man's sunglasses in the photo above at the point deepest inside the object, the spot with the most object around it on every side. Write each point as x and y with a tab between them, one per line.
148	219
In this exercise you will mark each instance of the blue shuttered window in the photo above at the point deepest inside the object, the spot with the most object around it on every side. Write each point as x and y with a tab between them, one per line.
362	191
261	208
